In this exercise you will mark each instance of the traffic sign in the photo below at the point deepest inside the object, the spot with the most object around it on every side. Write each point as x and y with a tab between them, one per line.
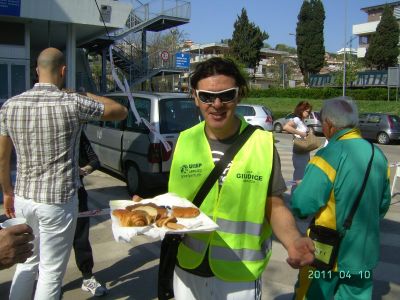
182	60
164	55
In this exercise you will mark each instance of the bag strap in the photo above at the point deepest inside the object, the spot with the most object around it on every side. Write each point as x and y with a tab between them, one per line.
349	219
222	163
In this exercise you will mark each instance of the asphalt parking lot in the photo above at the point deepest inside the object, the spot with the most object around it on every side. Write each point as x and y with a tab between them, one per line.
129	270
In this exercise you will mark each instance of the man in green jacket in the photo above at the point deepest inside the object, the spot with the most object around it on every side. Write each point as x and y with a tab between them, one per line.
328	190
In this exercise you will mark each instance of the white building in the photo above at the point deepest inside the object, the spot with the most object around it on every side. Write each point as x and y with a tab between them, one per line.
365	30
350	51
29	26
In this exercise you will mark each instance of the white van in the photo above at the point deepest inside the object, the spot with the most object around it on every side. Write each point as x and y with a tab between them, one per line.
131	150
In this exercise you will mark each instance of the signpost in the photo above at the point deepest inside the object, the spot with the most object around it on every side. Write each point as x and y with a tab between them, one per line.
164	55
182	60
393	79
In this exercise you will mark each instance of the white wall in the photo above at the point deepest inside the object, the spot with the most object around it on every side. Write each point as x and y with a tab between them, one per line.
75	11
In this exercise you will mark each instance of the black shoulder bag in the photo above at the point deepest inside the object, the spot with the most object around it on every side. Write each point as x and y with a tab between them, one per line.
170	243
327	240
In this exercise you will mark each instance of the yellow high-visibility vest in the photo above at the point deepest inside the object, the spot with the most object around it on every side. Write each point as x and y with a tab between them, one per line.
240	249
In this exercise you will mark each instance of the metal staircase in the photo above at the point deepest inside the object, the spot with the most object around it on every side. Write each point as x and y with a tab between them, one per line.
154	16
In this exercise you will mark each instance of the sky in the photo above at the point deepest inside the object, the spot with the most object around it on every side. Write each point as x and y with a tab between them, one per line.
212	20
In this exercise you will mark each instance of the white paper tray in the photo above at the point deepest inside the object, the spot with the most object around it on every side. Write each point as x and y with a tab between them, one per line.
201	223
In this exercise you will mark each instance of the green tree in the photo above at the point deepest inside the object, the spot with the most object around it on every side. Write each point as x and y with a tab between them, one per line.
383	50
240	66
247	40
353	67
310	38
170	41
286	48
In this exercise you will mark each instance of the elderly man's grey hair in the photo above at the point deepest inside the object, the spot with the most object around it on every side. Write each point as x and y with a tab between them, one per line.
342	112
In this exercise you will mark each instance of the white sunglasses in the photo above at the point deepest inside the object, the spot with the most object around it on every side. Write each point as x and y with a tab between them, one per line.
224	96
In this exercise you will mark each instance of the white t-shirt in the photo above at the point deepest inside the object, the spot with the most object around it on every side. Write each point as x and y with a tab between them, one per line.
300	126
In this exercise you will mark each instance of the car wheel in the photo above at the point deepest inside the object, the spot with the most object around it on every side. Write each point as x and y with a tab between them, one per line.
278	127
383	138
132	179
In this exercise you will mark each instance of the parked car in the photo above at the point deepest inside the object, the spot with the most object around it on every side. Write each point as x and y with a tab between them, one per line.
130	149
380	126
257	115
313	122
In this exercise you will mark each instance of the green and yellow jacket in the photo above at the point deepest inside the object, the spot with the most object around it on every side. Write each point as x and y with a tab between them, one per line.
329	188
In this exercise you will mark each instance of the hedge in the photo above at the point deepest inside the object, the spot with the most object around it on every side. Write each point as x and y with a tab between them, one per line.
324	93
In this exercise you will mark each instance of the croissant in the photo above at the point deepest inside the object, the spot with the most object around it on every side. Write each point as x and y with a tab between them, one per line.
185	212
119	212
163	221
132	218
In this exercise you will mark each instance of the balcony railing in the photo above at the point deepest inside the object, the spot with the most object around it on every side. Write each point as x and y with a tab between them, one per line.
154	9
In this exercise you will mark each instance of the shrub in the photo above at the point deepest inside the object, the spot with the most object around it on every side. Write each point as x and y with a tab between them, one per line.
373	93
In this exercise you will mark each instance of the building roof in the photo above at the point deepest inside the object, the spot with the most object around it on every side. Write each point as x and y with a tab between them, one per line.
380	6
273	51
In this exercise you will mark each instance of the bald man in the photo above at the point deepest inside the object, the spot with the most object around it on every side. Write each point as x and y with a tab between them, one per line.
45	124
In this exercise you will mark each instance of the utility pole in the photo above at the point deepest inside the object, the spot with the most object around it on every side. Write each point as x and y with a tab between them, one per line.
344	52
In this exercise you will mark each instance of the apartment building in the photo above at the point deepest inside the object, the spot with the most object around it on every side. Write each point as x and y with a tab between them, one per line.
364	30
274	66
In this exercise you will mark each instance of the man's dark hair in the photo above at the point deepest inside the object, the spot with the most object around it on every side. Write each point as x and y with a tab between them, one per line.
219	66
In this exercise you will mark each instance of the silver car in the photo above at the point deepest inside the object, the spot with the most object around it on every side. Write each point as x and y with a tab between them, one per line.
131	150
257	115
382	127
313	122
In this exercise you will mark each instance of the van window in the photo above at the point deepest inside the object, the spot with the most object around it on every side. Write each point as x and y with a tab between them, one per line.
143	107
177	115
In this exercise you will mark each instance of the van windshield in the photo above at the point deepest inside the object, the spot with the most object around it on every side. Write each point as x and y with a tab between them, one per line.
177	115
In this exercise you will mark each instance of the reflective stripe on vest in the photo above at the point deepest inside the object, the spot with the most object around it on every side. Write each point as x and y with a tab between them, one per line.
239	227
194	244
227	254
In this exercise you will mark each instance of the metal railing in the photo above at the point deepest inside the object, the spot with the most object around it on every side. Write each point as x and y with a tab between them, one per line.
364	79
154	9
171	8
138	68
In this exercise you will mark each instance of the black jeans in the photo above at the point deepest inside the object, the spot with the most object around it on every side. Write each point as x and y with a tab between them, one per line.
82	248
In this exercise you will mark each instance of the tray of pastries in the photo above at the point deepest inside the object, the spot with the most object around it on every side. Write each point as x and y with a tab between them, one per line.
156	217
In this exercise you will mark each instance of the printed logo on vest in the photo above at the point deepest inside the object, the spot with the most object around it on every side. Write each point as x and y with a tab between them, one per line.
249	177
191	170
